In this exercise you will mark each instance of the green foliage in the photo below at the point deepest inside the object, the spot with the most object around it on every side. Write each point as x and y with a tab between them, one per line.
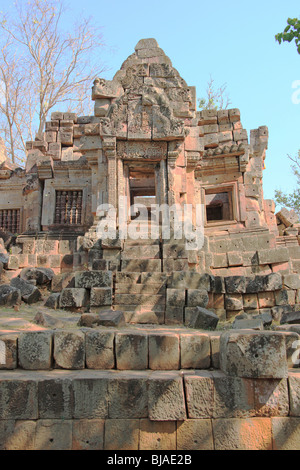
216	98
290	33
292	200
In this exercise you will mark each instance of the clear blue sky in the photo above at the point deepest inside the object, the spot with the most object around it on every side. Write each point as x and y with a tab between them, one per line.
233	41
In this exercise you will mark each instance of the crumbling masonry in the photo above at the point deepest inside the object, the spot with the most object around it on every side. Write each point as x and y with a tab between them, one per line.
147	310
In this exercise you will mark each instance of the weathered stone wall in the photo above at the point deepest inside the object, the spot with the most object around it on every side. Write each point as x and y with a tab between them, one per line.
250	403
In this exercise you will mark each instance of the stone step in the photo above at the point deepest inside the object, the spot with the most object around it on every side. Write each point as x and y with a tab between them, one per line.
122	348
141	252
139	299
141	277
177	410
141	242
144	265
126	288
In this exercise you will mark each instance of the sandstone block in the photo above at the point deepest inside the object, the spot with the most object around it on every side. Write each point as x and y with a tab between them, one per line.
215	350
55	398
195	351
29	293
175	297
101	296
199	389
9	296
18	398
53	301
89	279
73	297
131	351
88	434
121	434
233	396
174	315
157	436
145	265
90	395
122	389
248	324
189	280
273	255
242	434
42	276
286	433
245	353
291	281
271	397
234	302
197	298
294	389
35	350
290	317
166	397
69	349
195	434
99	349
53	434
9	348
200	318
164	351
17	435
235	284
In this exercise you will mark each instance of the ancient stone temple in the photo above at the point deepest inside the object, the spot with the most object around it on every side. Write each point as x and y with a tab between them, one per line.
170	340
147	143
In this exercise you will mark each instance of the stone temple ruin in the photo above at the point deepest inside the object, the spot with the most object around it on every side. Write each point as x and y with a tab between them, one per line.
128	329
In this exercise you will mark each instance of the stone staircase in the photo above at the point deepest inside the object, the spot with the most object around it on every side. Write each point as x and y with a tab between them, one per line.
140	285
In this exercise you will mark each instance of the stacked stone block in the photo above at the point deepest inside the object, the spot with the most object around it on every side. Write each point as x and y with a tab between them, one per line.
248	404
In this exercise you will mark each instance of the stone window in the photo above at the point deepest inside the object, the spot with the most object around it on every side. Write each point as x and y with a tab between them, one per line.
142	187
68	208
10	220
220	205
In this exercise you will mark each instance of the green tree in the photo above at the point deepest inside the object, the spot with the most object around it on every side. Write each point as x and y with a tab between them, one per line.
216	97
292	200
44	65
290	33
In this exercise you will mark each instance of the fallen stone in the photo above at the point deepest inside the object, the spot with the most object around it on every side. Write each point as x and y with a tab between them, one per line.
111	318
4	258
253	354
248	324
73	298
200	318
53	301
29	293
106	318
9	295
287	217
265	317
290	318
42	276
47	320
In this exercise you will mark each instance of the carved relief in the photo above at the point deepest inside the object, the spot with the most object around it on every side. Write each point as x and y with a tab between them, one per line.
142	150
